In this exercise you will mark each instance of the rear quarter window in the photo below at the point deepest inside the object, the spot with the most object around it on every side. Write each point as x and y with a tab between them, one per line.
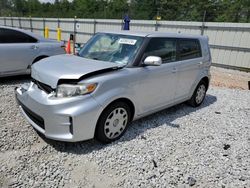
189	49
13	36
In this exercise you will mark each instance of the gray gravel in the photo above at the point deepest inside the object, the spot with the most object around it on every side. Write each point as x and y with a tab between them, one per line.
179	147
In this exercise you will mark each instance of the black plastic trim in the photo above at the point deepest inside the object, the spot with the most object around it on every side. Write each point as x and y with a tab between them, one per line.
38	120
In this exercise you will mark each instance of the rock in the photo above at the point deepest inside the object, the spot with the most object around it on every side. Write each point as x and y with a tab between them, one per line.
191	181
226	146
155	164
143	137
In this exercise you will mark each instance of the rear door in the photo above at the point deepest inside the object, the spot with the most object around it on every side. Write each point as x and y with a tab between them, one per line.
189	66
17	50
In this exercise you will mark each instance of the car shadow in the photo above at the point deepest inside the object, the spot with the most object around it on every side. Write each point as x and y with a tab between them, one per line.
15	79
137	128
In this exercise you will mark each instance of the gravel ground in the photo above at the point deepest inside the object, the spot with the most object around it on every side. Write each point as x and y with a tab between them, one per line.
178	147
229	78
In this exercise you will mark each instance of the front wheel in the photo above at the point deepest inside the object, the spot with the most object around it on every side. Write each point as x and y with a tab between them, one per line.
198	95
113	122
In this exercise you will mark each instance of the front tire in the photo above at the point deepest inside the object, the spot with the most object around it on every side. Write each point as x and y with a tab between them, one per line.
113	122
198	95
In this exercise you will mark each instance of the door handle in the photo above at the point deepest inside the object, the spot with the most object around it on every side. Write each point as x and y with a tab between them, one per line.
34	47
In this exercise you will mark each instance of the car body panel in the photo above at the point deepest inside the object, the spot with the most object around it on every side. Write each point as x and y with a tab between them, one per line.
67	67
16	58
148	88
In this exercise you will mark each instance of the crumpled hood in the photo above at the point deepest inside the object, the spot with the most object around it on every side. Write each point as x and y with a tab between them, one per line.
50	70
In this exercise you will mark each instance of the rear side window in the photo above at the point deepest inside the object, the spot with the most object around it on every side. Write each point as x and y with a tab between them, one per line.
12	36
162	47
189	49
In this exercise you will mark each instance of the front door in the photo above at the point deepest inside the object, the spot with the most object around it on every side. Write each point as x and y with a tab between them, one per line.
158	83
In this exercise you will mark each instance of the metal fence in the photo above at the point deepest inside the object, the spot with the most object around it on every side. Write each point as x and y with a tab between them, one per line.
229	42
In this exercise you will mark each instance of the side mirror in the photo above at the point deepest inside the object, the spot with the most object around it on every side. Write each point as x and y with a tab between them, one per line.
153	61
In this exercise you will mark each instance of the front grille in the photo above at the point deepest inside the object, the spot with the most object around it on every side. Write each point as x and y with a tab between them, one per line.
38	120
43	86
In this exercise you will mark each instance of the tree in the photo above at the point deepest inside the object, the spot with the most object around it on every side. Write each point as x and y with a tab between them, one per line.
143	9
185	10
5	8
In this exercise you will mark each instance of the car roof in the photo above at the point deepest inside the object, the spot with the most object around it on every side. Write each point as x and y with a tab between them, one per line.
40	38
156	34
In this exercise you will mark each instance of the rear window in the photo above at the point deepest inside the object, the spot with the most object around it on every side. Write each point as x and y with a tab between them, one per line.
189	49
12	36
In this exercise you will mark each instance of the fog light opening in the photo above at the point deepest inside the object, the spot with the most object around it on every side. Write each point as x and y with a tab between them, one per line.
71	125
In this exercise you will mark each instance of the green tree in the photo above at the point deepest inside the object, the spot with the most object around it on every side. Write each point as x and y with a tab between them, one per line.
185	10
143	9
5	8
234	11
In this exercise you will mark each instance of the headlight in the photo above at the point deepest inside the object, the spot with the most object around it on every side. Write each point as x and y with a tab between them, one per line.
68	90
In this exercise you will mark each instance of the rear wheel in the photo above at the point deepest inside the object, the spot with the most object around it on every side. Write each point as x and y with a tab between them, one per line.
198	95
113	122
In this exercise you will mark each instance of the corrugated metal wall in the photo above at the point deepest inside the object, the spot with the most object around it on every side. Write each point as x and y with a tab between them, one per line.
230	42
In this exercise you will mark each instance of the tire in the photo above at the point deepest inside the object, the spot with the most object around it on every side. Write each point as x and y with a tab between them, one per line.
113	122
198	95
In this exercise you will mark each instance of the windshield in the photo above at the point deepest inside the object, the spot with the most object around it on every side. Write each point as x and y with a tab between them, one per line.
120	49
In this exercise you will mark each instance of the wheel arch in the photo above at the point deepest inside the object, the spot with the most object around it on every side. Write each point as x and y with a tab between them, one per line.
125	100
206	80
122	99
38	58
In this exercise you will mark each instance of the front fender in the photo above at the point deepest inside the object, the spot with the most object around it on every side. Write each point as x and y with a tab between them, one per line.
107	97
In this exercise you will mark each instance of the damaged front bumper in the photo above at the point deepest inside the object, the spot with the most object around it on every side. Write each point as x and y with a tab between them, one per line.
65	119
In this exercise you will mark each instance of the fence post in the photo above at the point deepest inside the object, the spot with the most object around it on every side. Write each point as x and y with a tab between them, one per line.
203	23
156	25
94	26
43	27
20	24
4	21
11	21
74	39
58	22
31	27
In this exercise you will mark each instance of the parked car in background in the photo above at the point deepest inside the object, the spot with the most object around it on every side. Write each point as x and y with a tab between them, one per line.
19	49
117	77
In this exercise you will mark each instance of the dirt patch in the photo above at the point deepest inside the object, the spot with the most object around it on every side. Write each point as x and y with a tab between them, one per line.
229	78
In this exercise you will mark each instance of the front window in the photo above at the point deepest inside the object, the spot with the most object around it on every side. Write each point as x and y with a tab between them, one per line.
120	49
162	47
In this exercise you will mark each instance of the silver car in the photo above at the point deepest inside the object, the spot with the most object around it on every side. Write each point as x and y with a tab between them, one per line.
19	49
117	78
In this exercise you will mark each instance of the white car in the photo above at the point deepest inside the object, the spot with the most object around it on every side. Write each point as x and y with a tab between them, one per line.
19	49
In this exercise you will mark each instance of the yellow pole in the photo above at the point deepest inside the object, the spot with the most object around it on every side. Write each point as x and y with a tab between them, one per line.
46	32
59	34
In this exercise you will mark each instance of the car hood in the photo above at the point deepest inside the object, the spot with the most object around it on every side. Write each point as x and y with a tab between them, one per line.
69	67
